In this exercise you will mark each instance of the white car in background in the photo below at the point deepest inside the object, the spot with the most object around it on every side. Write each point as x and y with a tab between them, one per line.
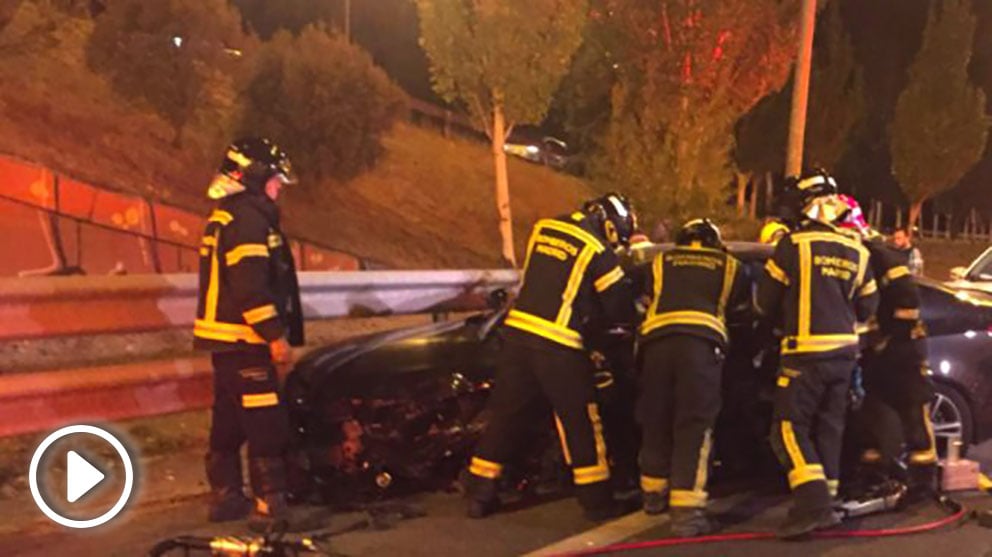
977	276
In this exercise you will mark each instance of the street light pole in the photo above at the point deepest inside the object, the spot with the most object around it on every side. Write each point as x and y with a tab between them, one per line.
347	20
800	90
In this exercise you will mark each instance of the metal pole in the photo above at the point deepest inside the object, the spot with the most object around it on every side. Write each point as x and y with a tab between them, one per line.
347	20
800	90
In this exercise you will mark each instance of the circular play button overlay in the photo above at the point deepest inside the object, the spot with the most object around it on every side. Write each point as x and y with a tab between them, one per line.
81	476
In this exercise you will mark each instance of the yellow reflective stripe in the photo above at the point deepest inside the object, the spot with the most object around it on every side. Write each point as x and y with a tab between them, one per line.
572	288
564	441
223	217
928	456
806	237
213	285
574	231
209	241
485	469
868	289
833	486
658	270
684	318
703	465
260	314
909	314
791	445
896	273
686	498
226	332
729	273
817	343
863	256
776	272
601	470
259	400
783	381
609	279
246	250
651	484
543	328
204	252
805	300
806	474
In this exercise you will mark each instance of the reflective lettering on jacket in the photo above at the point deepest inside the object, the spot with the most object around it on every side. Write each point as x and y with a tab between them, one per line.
690	290
570	276
819	281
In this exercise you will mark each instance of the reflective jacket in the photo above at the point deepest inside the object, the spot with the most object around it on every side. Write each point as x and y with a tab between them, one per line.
898	314
691	289
571	280
248	287
820	283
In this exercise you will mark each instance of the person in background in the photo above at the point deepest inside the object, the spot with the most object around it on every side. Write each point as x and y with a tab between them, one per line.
772	231
904	243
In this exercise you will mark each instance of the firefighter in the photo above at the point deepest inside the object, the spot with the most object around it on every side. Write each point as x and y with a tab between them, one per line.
896	372
572	279
248	316
683	342
818	285
772	232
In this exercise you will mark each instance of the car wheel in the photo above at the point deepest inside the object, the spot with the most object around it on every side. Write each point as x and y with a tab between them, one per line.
951	417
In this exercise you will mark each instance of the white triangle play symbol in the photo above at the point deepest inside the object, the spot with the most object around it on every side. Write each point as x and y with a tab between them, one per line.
81	476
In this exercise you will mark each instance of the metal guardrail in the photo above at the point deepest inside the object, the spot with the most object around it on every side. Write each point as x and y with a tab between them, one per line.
64	306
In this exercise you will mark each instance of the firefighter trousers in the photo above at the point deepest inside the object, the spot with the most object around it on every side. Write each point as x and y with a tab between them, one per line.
808	417
530	374
896	411
247	406
678	406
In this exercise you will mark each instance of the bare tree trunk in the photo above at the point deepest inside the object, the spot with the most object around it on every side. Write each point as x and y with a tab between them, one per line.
752	209
936	222
502	182
769	194
898	216
742	180
914	216
800	89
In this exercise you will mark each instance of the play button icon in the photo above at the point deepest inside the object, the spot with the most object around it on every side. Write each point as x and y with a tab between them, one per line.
96	482
81	476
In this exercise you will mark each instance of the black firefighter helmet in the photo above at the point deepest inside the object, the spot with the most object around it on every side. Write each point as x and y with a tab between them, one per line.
813	194
248	164
700	233
615	214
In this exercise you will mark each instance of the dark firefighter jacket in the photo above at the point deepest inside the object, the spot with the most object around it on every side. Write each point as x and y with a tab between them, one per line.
691	289
898	314
248	288
571	279
820	282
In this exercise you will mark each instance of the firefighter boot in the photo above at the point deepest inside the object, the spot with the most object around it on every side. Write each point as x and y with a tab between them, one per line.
268	481
811	510
654	502
483	496
690	522
922	482
598	504
227	498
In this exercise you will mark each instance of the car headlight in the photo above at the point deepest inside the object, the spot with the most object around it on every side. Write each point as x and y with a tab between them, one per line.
533	149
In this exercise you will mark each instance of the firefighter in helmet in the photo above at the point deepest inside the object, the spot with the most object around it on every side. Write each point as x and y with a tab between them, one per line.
248	316
572	283
895	372
683	340
817	287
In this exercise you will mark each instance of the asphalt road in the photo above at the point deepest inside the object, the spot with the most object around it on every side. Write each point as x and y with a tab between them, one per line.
547	527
